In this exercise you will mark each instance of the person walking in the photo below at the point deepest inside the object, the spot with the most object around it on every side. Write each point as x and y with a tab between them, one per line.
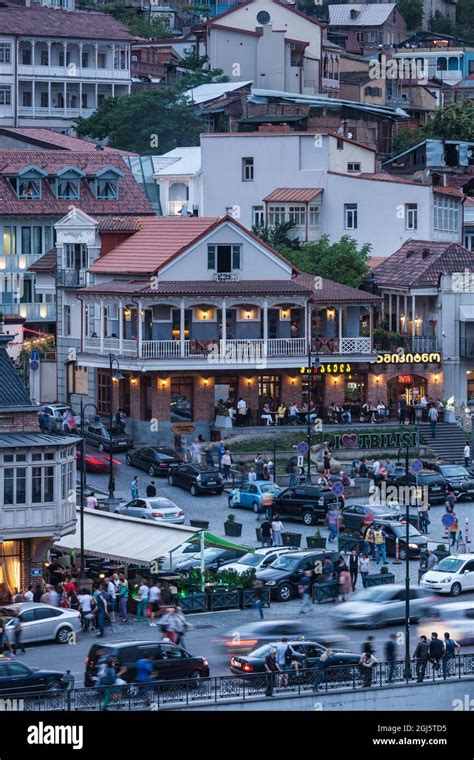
220	453
451	649
85	606
421	655
271	669
209	455
467	455
450	502
294	477
366	664
170	625
453	530
305	589
142	602
436	651
151	490
376	472
364	567
403	409
369	542
4	642
332	521
196	451
354	563
433	419
327	462
423	519
102	610
258	590
391	648
380	537
154	594
368	645
182	625
252	476
134	487
432	560
277	527
266	533
122	595
226	463
344	583
91	501
18	634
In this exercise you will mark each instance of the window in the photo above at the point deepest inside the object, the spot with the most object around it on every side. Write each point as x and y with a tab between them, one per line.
84	100
314	216
103	387
211	256
446	214
29	189
75	256
224	258
85	60
27	99
355	388
101	61
42	485
5	53
258	215
340	144
411	216
247	170
44	101
68	189
181	399
14	485
37	240
77	380
269	388
236	257
106	189
9	240
44	61
67	320
276	215
67	480
360	37
26	56
120	59
297	215
371	36
26	240
374	91
350	216
353	167
5	95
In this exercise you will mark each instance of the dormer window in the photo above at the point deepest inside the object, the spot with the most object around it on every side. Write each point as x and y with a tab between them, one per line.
67	185
27	184
105	184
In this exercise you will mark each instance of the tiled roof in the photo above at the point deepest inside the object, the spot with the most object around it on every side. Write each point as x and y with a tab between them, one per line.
385	177
419	263
466	83
449	191
354	77
49	139
46	264
13	393
131	198
374	261
334	292
118	223
204	287
294	194
374	14
52	22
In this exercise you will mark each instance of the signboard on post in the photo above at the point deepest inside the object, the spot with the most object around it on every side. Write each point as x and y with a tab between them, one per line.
337	488
300	461
302	448
416	465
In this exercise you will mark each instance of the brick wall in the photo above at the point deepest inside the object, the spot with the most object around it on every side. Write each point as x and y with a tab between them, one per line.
19	422
249	392
135	399
160	398
334	394
203	399
377	391
291	389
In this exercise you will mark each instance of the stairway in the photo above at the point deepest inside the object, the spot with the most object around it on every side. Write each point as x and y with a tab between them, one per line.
449	442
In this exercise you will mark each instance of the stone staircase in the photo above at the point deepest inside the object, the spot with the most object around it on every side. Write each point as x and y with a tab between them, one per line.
449	442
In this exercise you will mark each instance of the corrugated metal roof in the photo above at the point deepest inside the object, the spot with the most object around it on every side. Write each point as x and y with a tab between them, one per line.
294	194
374	14
28	440
179	161
211	91
261	96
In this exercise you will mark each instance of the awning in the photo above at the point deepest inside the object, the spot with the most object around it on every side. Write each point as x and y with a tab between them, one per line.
466	313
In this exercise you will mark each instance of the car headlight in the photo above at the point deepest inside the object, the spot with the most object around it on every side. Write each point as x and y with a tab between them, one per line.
270	583
321	502
412	546
446	580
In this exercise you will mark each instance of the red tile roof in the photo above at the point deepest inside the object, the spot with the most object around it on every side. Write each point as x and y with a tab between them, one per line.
52	22
419	263
131	200
449	191
374	261
294	194
49	139
118	223
46	264
204	288
334	292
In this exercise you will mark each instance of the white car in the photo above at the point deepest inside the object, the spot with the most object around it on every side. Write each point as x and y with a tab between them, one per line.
157	508
456	618
182	552
258	559
42	622
452	575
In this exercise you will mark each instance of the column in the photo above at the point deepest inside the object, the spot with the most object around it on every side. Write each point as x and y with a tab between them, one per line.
140	327
80	98
339	311
84	324
120	326
224	327
49	94
265	327
65	56
181	328
49	52
389	311
33	97
398	313
96	55
33	53
79	65
96	104
371	326
65	98
413	315
405	326
114	51
113	90
102	327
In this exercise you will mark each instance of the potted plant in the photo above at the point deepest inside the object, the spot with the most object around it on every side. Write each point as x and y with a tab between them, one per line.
381	578
324	590
317	541
231	527
203	524
291	539
223	418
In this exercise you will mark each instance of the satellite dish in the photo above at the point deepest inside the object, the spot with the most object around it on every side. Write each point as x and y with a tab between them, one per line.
263	17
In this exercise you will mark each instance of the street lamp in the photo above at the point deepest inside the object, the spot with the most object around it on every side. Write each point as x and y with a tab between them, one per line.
114	374
82	572
418	415
313	361
407	674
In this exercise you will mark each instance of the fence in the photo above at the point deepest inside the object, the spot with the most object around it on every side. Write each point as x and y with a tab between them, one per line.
169	694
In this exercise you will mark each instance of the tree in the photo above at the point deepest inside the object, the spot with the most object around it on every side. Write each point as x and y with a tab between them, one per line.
441	24
277	235
147	122
137	21
197	74
454	122
412	12
405	139
342	262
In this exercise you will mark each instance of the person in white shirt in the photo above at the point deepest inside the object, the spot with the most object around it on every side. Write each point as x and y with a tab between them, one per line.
29	594
277	527
467	455
241	406
376	471
91	502
293	413
142	602
85	601
252	475
154	601
112	591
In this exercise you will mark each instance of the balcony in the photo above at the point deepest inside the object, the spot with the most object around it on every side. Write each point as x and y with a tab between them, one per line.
390	341
72	278
357	345
466	348
37	312
59	113
80	73
226	276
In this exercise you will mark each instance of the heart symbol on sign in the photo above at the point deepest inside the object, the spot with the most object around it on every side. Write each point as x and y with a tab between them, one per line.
350	441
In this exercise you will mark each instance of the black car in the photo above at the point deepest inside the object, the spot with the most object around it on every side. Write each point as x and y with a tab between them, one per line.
155	460
197	478
309	654
17	678
214	558
396	530
458	479
170	661
97	434
353	516
304	502
434	482
284	576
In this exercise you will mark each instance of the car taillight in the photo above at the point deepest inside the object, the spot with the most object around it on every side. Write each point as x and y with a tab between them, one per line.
242	643
248	668
157	514
162	464
180	513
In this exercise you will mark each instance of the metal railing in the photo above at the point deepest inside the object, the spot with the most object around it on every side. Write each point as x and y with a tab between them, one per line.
221	689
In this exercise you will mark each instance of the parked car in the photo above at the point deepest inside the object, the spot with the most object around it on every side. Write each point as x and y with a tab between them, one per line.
434	482
383	605
304	502
99	463
252	635
458	479
213	559
17	679
249	495
284	574
56	412
157	508
310	653
196	478
97	434
353	516
394	530
258	559
457	618
41	622
170	560
452	575
170	661
155	460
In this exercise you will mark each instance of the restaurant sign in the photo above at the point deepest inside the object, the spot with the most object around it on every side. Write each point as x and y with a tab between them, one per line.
400	357
382	440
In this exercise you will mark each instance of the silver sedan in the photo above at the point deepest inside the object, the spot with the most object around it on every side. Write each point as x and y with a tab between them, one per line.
383	605
157	508
42	622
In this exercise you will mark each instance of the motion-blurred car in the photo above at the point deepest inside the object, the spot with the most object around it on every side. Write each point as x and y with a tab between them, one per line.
353	516
456	618
452	575
284	575
97	434
310	652
157	508
17	679
196	478
41	622
155	460
95	462
246	637
258	559
250	495
213	559
383	605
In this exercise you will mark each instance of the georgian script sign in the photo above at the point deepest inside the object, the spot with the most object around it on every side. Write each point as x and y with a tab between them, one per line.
402	358
383	440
